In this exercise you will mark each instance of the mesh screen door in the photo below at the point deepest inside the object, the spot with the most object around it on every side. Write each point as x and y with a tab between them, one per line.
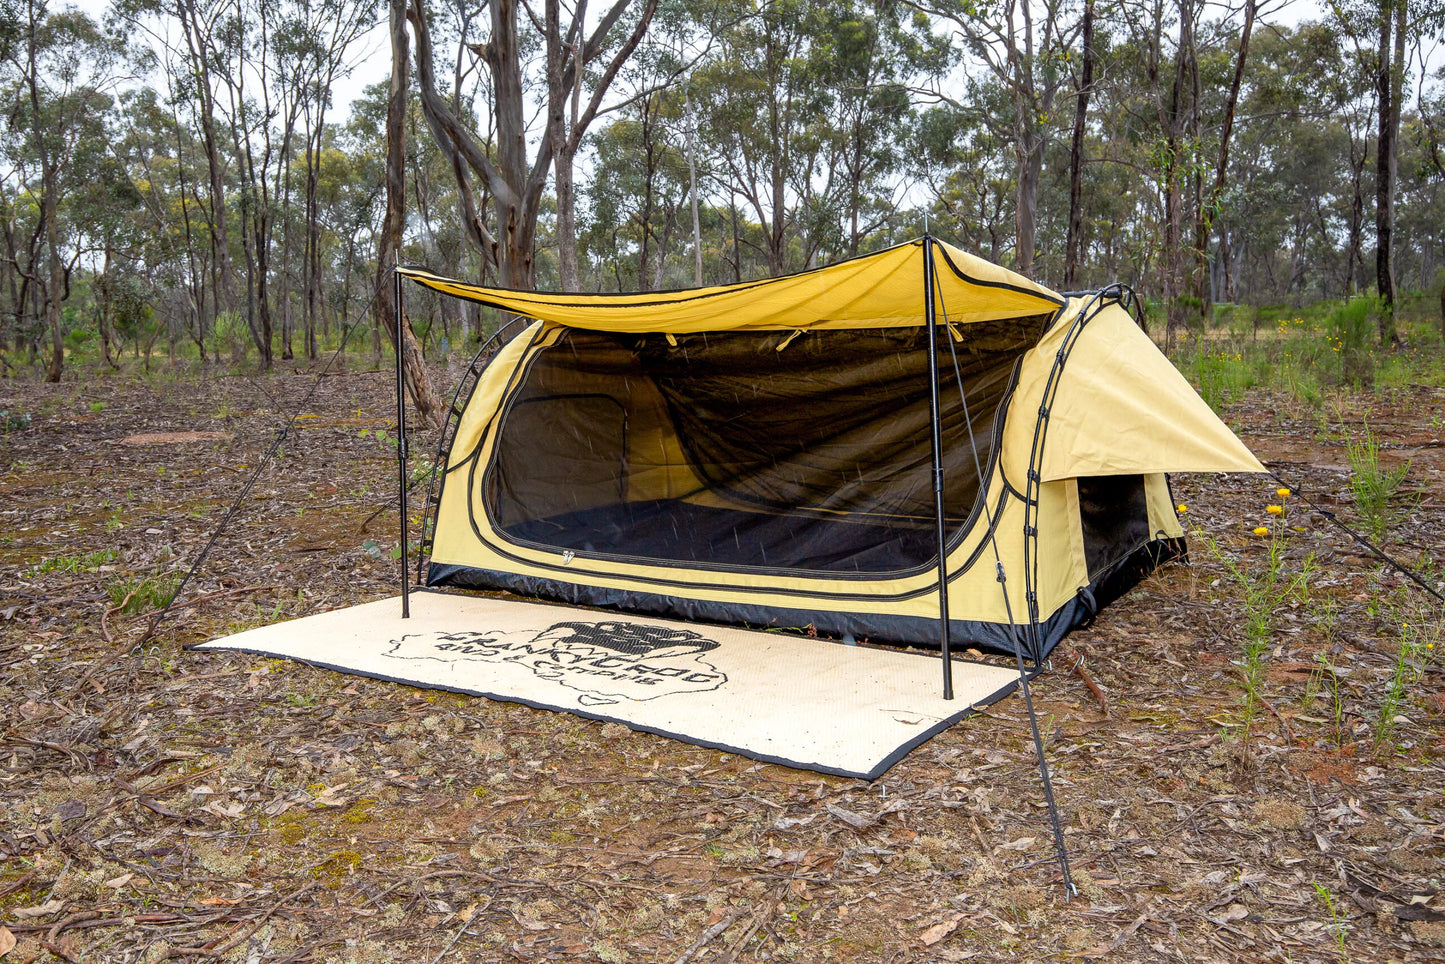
765	450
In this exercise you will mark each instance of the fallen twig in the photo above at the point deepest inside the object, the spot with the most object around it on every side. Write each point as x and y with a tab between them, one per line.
105	614
708	936
58	951
182	781
764	914
15	885
57	747
1289	730
456	937
207	951
70	921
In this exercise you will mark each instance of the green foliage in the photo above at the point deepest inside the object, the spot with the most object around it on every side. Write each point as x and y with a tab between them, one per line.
1420	630
1265	588
1376	489
140	594
1327	677
1221	377
813	131
1305	353
83	562
1338	927
230	335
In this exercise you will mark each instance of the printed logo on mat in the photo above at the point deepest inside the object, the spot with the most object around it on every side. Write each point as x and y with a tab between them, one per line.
604	661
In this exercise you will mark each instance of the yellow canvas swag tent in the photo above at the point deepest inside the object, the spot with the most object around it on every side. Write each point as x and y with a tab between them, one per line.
802	452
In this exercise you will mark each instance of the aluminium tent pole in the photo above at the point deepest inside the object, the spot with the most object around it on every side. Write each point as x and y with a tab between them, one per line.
400	433
937	429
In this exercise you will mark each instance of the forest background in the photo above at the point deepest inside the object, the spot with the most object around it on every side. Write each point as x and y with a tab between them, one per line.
180	178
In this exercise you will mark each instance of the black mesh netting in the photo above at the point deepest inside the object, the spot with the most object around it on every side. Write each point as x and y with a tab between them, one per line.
768	449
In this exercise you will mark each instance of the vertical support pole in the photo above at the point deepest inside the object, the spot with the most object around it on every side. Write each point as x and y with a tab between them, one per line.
400	434
937	426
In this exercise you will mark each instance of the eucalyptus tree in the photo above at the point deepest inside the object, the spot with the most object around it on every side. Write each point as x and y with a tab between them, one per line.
110	233
57	71
969	173
639	191
1023	46
760	99
1394	30
393	225
319	39
1209	201
550	50
871	53
186	38
1084	88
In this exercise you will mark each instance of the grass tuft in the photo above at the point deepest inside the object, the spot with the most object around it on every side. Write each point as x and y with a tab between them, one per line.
1376	489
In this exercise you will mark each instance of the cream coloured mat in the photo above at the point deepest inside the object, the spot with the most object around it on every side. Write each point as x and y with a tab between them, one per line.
816	705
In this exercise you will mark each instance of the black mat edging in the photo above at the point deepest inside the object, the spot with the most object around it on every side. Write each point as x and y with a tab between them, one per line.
883	767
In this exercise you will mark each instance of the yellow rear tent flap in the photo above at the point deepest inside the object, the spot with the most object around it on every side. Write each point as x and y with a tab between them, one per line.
1123	409
883	290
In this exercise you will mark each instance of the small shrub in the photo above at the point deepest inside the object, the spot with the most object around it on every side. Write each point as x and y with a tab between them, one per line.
1375	488
1420	632
1351	332
131	595
1265	589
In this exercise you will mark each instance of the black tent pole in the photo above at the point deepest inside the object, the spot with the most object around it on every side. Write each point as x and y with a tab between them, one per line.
400	434
936	420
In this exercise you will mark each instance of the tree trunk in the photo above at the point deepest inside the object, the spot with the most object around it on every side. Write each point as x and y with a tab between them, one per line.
417	380
1355	253
1177	124
263	296
313	231
1030	154
287	323
199	54
1209	207
106	335
1076	154
1386	164
776	236
568	273
56	283
692	190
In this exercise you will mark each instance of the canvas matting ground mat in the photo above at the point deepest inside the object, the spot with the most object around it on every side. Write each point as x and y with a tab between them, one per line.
811	704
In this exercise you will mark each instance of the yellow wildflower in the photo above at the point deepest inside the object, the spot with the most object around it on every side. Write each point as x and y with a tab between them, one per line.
1261	531
1182	508
1282	492
1274	509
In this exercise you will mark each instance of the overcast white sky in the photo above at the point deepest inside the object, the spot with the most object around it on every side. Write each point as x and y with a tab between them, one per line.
371	57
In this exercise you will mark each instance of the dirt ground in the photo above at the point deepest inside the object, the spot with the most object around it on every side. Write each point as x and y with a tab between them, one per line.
160	804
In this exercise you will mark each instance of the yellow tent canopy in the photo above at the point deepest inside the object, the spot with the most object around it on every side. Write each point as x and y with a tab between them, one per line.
880	290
